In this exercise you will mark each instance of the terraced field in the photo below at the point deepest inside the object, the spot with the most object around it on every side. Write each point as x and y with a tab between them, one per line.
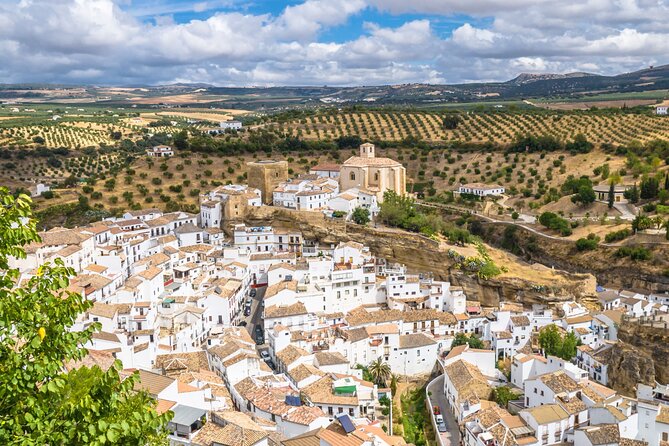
483	127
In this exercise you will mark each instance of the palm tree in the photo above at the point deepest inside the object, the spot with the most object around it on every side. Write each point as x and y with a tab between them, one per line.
380	371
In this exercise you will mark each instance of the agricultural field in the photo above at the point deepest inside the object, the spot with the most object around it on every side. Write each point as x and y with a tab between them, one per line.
478	127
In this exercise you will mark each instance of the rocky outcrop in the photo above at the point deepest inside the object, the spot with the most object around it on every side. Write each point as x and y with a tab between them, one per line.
651	337
610	271
422	254
628	367
516	289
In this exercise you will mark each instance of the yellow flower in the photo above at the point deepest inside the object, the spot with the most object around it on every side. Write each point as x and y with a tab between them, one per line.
42	333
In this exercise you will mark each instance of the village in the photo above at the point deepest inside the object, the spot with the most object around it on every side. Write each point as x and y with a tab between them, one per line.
256	335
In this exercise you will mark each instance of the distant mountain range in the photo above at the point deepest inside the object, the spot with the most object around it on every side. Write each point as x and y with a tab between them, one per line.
524	86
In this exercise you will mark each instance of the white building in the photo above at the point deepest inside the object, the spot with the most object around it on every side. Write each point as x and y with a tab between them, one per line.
226	202
305	193
232	125
326	170
661	110
481	189
160	152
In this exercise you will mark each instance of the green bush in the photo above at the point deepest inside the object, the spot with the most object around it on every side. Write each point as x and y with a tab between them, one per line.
634	252
617	235
555	222
662	209
587	243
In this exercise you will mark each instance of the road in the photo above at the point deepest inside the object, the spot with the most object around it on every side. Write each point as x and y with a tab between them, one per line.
256	314
437	397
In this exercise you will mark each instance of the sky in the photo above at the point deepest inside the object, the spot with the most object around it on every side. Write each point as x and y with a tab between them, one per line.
324	42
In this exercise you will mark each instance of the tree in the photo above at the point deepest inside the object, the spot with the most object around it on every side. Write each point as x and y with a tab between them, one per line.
568	348
181	140
554	344
40	401
515	215
612	194
360	215
503	394
585	195
462	339
451	121
380	371
580	144
649	187
632	194
550	340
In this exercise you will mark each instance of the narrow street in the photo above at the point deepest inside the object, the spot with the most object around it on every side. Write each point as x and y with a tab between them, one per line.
437	398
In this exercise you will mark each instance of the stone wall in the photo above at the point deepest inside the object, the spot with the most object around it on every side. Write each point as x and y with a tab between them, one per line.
266	176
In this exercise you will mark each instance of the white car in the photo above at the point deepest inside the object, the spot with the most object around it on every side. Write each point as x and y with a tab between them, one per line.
439	419
264	355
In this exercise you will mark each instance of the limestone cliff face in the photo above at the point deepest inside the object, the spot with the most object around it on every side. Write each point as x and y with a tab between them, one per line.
516	289
421	254
629	366
610	271
646	345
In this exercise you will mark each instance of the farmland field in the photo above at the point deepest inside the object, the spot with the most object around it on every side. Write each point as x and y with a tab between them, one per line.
479	127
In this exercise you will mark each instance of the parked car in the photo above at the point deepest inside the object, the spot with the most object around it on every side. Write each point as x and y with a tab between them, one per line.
253	292
264	355
247	311
436	410
259	335
271	365
441	427
439	419
242	324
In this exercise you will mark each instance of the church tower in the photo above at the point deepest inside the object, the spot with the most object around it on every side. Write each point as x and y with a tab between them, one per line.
367	150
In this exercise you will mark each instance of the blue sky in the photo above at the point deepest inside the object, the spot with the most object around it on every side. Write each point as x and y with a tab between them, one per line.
324	42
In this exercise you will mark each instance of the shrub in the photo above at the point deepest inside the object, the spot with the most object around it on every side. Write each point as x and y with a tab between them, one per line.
634	252
662	209
617	235
588	243
555	222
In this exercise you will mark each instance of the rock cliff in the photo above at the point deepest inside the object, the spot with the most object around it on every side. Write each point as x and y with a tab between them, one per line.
523	283
609	270
641	355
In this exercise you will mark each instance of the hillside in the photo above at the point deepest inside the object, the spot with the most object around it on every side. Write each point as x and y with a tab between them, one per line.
524	86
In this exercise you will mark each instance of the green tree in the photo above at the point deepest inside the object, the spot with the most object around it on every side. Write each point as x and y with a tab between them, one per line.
360	215
568	346
649	187
181	140
40	401
462	339
585	195
550	339
612	195
554	344
451	121
380	371
503	395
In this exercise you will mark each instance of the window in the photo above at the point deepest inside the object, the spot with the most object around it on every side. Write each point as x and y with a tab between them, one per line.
376	176
352	176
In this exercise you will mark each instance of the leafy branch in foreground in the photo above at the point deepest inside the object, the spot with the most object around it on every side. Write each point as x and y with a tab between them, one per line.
41	402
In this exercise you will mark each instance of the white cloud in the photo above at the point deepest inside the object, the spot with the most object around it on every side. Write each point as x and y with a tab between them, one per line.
105	41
